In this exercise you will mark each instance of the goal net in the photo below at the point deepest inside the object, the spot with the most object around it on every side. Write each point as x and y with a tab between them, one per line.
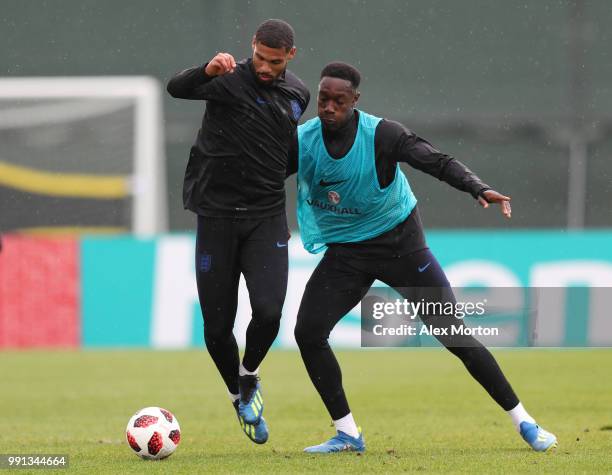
82	154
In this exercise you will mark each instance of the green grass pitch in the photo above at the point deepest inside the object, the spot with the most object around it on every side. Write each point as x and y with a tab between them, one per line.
419	409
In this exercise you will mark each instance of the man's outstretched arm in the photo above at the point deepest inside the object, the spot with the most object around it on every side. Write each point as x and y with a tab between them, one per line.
420	154
197	83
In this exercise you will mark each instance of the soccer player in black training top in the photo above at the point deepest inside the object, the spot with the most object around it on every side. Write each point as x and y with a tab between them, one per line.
354	200
234	182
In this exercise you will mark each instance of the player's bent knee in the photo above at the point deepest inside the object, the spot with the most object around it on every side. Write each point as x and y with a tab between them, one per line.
304	336
308	337
268	313
300	335
214	336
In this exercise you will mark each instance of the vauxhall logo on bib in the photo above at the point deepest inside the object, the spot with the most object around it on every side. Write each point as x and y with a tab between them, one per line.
333	198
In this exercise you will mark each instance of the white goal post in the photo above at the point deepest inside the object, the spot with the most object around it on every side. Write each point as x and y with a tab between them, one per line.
147	183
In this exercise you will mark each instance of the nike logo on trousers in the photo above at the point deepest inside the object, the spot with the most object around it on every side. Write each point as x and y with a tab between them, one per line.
422	268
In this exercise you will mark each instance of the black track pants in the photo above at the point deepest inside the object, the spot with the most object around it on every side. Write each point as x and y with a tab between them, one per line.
338	284
225	248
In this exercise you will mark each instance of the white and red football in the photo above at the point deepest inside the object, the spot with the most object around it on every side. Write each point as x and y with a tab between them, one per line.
153	433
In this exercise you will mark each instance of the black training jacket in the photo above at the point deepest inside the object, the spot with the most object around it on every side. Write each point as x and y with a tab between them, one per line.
237	165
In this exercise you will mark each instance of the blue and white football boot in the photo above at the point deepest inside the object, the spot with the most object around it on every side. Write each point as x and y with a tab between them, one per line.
539	439
251	401
258	433
341	442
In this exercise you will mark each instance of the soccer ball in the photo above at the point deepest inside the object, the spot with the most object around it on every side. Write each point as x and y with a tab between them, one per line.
153	433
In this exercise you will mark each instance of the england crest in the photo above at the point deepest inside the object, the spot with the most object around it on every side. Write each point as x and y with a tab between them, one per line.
296	109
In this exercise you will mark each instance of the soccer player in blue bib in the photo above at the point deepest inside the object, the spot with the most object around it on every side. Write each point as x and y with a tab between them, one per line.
355	203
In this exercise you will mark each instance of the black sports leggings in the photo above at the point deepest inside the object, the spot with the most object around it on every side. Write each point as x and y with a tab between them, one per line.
225	248
339	283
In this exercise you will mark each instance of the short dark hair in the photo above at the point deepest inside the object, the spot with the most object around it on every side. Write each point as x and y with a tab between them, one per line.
341	70
275	34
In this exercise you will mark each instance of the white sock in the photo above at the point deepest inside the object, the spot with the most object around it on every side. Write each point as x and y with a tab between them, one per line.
242	371
347	425
518	415
233	397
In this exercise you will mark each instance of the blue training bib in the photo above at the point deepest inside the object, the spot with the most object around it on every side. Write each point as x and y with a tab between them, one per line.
340	200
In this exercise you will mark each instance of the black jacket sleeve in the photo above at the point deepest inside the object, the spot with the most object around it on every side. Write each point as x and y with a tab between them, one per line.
195	84
405	146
